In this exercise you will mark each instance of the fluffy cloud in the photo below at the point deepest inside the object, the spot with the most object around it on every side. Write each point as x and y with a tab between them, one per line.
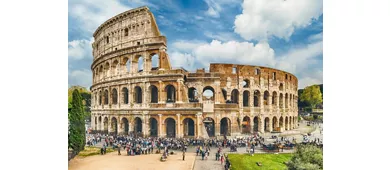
261	19
215	7
184	60
80	77
80	49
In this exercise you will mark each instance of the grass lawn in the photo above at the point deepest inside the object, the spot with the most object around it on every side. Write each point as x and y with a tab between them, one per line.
90	151
268	161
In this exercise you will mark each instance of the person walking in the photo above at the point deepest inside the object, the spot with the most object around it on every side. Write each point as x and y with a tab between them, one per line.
222	158
184	155
119	149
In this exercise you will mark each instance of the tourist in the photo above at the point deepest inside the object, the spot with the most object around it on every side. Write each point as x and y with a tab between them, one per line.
202	155
222	158
184	155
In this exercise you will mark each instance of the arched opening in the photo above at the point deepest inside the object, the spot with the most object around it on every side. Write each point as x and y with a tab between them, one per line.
127	63
99	123
192	95
210	126
115	68
286	100
138	94
101	73
105	125
286	123
290	122
224	93
274	123
225	128
140	64
290	100
153	127
171	93
257	71
208	93
188	127
170	127
105	96
267	125
245	83
126	31
246	125
281	123
137	125
246	98
153	94
274	95
107	70
114	96
100	98
256	98
125	126
95	122
114	125
281	87
281	100
234	96
155	62
266	96
125	94
255	124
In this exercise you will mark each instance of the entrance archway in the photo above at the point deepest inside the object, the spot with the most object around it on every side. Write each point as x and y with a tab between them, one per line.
125	126
170	127
225	126
137	125
256	124
281	123
114	125
210	126
105	124
188	127
246	125
267	125
274	123
153	127
286	127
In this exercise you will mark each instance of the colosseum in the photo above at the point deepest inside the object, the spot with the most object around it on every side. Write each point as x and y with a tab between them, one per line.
136	90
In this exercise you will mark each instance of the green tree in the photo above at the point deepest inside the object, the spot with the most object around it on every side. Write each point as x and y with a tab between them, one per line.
307	157
311	95
76	115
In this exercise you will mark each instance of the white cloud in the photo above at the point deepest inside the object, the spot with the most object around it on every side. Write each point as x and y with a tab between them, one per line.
261	19
80	49
183	45
80	77
215	7
316	37
222	36
184	60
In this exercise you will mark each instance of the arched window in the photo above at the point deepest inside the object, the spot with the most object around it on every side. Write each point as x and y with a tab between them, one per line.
106	97
140	64
274	96
114	96
153	94
281	87
138	94
224	93
154	59
208	93
107	39
256	98
234	96
257	71
246	98
126	31
192	95
100	98
125	93
245	83
171	93
266	96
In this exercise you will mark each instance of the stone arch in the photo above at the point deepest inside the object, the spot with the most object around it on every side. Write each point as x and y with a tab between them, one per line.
170	127
126	31
125	125
234	96
99	123
266	97
153	90
256	122
281	123
290	100
188	127
140	63
256	98
246	125
225	126
155	64
209	124
286	127
115	67
290	123
125	94
171	93
267	125
224	94
126	64
281	100
274	123
105	97
281	87
192	94
153	124
101	72
137	94
246	83
114	125
114	96
246	98
286	100
137	125
100	98
206	93
274	96
105	124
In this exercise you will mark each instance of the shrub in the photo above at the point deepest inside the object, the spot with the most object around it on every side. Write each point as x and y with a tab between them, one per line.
307	157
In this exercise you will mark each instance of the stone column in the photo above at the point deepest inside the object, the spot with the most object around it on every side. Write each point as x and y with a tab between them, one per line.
109	125
130	126
160	90
160	134
178	134
217	127
217	92
178	91
261	125
119	126
198	115
252	121
147	128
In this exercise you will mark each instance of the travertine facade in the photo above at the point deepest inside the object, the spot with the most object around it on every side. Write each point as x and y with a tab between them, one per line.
132	93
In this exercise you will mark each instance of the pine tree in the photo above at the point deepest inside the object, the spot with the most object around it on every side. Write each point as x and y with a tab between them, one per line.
76	116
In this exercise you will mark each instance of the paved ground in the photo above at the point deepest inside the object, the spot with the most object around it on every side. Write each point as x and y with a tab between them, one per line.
150	162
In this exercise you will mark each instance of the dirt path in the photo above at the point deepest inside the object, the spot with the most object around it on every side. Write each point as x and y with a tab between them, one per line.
112	161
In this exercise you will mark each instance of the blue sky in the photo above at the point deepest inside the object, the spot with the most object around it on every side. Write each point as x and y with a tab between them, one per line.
282	34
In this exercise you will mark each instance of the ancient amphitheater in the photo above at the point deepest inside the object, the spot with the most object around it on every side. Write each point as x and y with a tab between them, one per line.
135	89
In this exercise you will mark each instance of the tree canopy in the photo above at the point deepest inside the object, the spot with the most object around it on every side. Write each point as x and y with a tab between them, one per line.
307	157
311	95
76	117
